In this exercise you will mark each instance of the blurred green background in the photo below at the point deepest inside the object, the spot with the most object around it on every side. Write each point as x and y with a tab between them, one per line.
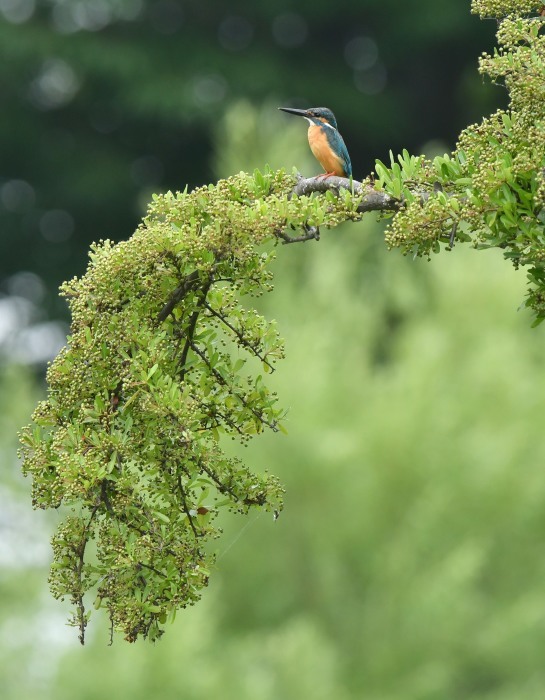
408	562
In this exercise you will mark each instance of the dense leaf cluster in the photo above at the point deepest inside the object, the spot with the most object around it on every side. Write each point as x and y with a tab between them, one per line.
491	189
162	362
501	8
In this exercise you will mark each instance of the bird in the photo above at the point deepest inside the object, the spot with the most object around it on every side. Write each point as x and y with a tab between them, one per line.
325	142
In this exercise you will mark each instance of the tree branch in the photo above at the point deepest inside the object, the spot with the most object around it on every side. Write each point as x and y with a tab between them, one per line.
178	294
312	234
242	339
190	331
221	380
185	505
373	200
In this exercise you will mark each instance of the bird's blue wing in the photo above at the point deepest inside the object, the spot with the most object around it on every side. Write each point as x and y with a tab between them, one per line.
339	147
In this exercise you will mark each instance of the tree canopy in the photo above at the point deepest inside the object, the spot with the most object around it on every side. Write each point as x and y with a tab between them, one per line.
165	360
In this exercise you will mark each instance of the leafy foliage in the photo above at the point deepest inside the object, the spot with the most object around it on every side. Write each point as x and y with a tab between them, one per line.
161	363
500	8
164	362
491	189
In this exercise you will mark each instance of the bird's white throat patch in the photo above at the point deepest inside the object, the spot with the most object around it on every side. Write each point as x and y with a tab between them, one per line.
309	120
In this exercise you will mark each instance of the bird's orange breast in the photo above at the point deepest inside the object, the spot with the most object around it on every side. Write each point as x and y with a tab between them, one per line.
323	152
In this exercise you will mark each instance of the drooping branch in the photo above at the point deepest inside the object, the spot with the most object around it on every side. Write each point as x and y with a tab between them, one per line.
124	375
206	250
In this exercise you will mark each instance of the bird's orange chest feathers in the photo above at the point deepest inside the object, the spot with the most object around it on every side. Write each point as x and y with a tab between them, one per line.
322	151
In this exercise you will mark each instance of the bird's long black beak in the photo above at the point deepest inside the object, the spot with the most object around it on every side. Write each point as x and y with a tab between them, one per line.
298	112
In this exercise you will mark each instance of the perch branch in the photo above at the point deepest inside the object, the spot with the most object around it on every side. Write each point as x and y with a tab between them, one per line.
373	200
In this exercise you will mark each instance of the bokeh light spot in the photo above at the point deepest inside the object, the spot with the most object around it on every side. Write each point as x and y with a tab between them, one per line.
55	85
371	81
361	53
17	11
26	285
209	89
130	10
38	343
17	195
56	225
81	15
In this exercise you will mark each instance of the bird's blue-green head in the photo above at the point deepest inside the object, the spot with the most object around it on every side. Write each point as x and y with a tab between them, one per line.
315	115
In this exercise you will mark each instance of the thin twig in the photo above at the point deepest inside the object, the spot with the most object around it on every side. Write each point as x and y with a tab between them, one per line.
215	413
186	507
312	234
221	486
190	332
244	342
152	568
80	551
223	382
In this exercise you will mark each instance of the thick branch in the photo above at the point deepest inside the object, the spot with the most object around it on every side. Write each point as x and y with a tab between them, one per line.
373	200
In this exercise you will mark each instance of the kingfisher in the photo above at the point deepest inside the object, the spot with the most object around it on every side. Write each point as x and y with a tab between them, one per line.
325	142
